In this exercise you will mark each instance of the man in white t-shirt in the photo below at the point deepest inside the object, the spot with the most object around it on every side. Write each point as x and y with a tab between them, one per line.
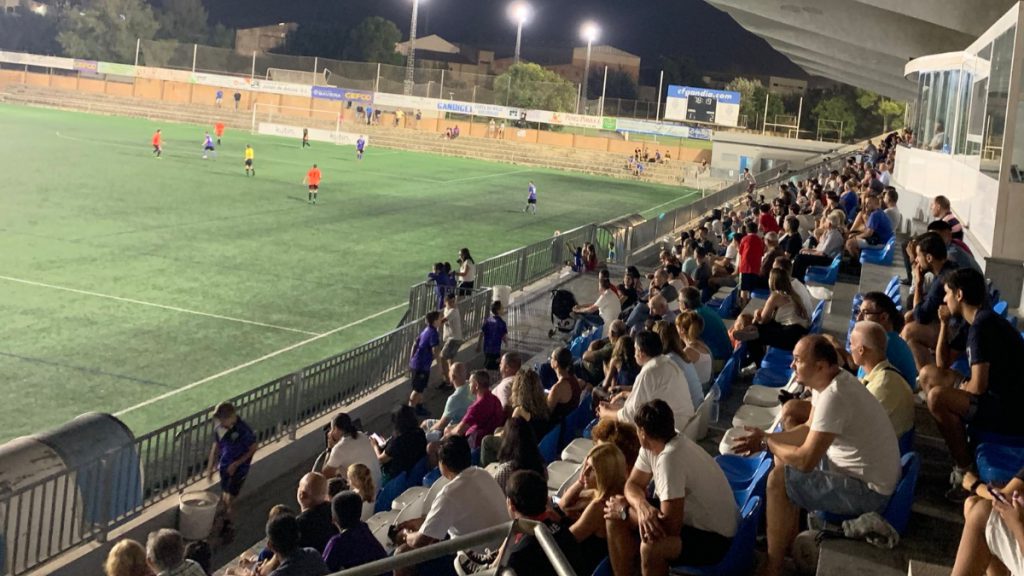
510	364
659	377
846	460
601	312
471	501
349	446
696	516
451	336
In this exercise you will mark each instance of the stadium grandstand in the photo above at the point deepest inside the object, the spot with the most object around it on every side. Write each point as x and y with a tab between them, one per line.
803	363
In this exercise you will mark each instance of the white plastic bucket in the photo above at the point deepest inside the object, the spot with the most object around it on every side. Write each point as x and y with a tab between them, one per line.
502	294
196	512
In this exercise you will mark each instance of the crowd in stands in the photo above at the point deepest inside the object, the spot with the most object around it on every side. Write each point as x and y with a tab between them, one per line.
645	495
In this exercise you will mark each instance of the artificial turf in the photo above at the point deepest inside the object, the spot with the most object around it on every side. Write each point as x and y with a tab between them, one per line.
124	277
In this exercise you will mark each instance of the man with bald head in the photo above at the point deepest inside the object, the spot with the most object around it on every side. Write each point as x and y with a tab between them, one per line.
315	524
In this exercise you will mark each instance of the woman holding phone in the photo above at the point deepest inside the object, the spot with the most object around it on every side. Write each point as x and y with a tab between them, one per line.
993	537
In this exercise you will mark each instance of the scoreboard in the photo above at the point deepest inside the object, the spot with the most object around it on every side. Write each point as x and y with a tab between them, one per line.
702	105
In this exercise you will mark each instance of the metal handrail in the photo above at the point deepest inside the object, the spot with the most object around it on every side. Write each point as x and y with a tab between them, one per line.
472	540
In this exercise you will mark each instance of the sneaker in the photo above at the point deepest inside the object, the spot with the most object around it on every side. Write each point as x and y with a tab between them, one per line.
469	562
422	412
873	528
956	493
749	371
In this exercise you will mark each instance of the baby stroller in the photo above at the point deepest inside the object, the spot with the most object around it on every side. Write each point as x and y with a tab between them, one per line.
562	319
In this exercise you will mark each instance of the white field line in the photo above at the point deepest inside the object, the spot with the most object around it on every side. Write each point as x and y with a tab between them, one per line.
683	197
256	361
155	305
483	176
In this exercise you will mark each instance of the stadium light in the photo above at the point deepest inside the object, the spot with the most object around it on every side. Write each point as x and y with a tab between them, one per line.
410	60
589	31
519	12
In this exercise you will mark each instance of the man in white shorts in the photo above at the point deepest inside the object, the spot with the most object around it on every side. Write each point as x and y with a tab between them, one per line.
451	336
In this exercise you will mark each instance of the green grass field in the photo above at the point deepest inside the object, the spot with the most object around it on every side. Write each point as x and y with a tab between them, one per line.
153	288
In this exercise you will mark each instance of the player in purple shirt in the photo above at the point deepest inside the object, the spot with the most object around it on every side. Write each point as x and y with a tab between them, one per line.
492	336
360	147
421	359
531	200
233	448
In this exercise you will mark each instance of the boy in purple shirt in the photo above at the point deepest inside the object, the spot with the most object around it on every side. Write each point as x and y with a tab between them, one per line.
421	359
233	448
355	545
492	336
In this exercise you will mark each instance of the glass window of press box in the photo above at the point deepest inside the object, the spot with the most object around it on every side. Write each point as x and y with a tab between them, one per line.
963	103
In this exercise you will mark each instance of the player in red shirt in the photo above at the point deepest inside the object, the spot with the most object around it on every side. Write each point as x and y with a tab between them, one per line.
751	253
158	141
313	181
218	129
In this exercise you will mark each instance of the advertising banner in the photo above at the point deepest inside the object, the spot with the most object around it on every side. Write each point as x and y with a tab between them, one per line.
342	94
34	60
290	131
702	105
163	74
90	66
219	80
285	88
663	129
116	69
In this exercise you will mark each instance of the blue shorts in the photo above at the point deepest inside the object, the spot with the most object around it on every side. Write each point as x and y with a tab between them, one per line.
419	381
821	490
232	484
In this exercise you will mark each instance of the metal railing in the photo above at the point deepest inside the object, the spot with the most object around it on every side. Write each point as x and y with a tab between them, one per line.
44	518
488	536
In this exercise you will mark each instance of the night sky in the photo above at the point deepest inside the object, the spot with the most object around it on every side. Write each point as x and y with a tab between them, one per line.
656	27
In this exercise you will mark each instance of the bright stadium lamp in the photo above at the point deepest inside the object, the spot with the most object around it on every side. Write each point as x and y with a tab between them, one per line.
590	32
519	12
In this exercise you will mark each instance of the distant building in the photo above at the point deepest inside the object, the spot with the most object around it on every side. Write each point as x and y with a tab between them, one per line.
262	39
23	6
571	65
782	85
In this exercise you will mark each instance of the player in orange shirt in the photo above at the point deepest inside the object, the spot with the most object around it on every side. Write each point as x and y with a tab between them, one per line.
158	141
218	129
313	181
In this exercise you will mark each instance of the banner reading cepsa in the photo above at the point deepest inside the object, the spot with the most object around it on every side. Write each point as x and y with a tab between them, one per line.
317	134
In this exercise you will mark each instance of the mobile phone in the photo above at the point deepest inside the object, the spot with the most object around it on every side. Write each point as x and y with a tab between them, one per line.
997	495
378	439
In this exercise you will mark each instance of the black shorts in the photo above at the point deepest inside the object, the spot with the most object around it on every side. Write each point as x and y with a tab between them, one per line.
419	380
232	484
156	147
314	187
210	148
248	163
492	361
702	548
531	201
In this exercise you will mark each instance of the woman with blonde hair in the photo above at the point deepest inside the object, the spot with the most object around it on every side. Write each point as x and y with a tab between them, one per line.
604	474
360	481
690	326
673	347
529	402
830	244
127	558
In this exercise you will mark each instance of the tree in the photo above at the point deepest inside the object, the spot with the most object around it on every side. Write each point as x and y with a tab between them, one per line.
106	29
29	32
184	21
620	84
373	40
681	71
836	108
888	112
752	101
527	85
322	38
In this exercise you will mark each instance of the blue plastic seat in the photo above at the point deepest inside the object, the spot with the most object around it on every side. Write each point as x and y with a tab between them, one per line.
390	491
998	462
773	376
892	290
739	560
824	275
757	485
776	358
430	477
897	512
817	318
740	470
1001	308
418	471
881	255
548	446
590	427
727	308
962	366
576	421
726	377
604	568
474	457
761	293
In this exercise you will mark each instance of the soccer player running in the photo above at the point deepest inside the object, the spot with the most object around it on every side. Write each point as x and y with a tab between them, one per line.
531	200
249	155
313	181
360	147
158	143
305	138
208	146
218	130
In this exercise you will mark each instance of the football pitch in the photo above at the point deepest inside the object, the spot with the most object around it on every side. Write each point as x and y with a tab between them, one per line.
151	288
